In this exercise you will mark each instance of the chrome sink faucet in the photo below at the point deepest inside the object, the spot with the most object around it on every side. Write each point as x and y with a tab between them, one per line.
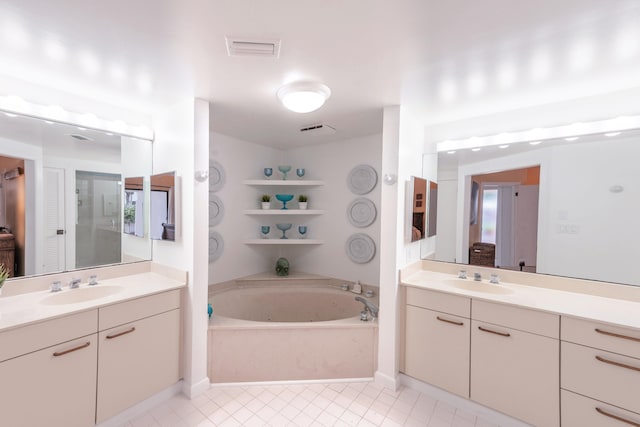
477	277
74	283
56	286
495	279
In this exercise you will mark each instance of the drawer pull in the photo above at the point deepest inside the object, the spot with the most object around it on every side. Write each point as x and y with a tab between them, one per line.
622	365
615	417
119	334
502	334
613	334
453	322
71	350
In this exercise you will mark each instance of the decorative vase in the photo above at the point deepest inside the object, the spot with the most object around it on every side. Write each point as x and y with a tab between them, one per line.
266	205
302	205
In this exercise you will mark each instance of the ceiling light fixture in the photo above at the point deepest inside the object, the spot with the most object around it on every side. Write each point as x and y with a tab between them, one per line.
572	138
610	134
535	142
303	97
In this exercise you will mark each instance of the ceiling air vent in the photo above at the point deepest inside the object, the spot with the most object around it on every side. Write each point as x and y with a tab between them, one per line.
318	129
244	46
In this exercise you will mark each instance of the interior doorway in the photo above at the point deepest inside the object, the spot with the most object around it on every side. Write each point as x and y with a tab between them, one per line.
507	218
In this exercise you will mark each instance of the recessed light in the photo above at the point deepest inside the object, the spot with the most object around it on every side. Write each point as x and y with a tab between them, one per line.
610	134
476	149
503	146
535	142
572	138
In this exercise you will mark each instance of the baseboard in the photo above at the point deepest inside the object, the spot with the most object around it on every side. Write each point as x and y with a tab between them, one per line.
386	381
291	382
142	407
466	405
193	390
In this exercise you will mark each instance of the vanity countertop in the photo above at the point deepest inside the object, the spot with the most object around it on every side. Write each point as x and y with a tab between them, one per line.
23	309
614	311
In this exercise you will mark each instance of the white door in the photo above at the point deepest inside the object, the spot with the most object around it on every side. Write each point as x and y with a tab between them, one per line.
526	224
54	244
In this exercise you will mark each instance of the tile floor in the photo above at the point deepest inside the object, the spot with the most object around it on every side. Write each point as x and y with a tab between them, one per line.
334	404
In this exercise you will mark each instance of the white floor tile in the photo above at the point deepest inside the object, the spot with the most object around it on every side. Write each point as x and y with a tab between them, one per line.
363	404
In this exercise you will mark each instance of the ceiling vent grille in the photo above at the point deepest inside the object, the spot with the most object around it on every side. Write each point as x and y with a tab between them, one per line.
244	46
79	137
318	129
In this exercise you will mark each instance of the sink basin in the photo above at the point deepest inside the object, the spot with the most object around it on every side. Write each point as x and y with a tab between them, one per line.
74	296
470	285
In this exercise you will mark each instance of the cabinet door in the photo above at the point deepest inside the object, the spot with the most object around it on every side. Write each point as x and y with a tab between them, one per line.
437	349
55	386
516	373
137	360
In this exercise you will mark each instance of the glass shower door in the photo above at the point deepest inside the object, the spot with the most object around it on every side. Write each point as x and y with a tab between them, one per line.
98	219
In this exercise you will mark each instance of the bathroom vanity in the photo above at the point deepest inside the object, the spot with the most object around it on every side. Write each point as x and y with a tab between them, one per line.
537	348
81	356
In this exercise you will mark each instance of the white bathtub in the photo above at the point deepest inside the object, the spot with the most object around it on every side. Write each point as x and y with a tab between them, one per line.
280	332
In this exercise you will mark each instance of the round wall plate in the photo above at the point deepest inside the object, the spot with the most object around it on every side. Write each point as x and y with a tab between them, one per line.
361	212
362	179
216	176
216	210
360	248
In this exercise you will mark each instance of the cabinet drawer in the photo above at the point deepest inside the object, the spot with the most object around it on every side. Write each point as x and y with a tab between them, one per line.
439	301
26	339
128	311
580	411
523	319
604	376
599	335
437	349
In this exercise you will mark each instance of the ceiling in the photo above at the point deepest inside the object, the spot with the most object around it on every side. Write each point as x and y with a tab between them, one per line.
444	60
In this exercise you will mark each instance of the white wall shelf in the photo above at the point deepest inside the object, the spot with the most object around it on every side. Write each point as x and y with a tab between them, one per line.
283	183
283	212
283	242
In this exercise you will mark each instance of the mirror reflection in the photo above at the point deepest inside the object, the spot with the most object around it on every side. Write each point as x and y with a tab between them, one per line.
61	195
419	208
163	194
134	202
559	207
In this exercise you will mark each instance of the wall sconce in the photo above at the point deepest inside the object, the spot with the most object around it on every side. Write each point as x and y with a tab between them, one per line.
201	175
390	178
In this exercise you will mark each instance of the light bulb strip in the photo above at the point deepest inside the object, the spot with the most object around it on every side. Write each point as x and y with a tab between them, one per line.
616	125
55	114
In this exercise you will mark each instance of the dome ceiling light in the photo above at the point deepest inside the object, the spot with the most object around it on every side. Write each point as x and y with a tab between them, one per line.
303	97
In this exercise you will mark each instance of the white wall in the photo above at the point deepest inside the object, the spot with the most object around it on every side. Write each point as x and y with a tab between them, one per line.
332	164
241	160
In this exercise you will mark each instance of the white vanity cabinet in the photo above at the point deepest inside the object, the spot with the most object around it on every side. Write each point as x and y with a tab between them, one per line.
437	339
48	372
600	374
515	362
139	351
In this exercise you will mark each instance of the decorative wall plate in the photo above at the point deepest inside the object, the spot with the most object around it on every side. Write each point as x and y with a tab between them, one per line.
216	176
361	212
362	179
360	248
216	245
216	210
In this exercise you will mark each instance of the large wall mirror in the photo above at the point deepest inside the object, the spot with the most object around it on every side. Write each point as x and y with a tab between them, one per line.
560	207
163	206
62	195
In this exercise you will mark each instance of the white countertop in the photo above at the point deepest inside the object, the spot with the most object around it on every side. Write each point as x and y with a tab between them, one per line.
23	309
608	310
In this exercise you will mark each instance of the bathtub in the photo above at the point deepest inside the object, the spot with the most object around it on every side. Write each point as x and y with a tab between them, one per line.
282	332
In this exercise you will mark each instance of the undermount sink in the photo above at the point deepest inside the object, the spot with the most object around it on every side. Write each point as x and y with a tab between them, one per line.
74	296
471	285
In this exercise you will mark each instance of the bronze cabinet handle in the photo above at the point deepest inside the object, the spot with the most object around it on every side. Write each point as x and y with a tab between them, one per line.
616	417
613	334
502	334
119	334
622	365
71	350
453	322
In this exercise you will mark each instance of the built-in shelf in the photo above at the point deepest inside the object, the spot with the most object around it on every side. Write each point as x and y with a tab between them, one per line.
284	183
284	242
283	212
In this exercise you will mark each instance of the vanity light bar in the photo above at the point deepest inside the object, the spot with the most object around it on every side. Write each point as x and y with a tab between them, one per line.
574	130
14	105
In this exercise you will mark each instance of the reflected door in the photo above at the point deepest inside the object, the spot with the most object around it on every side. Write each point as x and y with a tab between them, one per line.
98	219
54	252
